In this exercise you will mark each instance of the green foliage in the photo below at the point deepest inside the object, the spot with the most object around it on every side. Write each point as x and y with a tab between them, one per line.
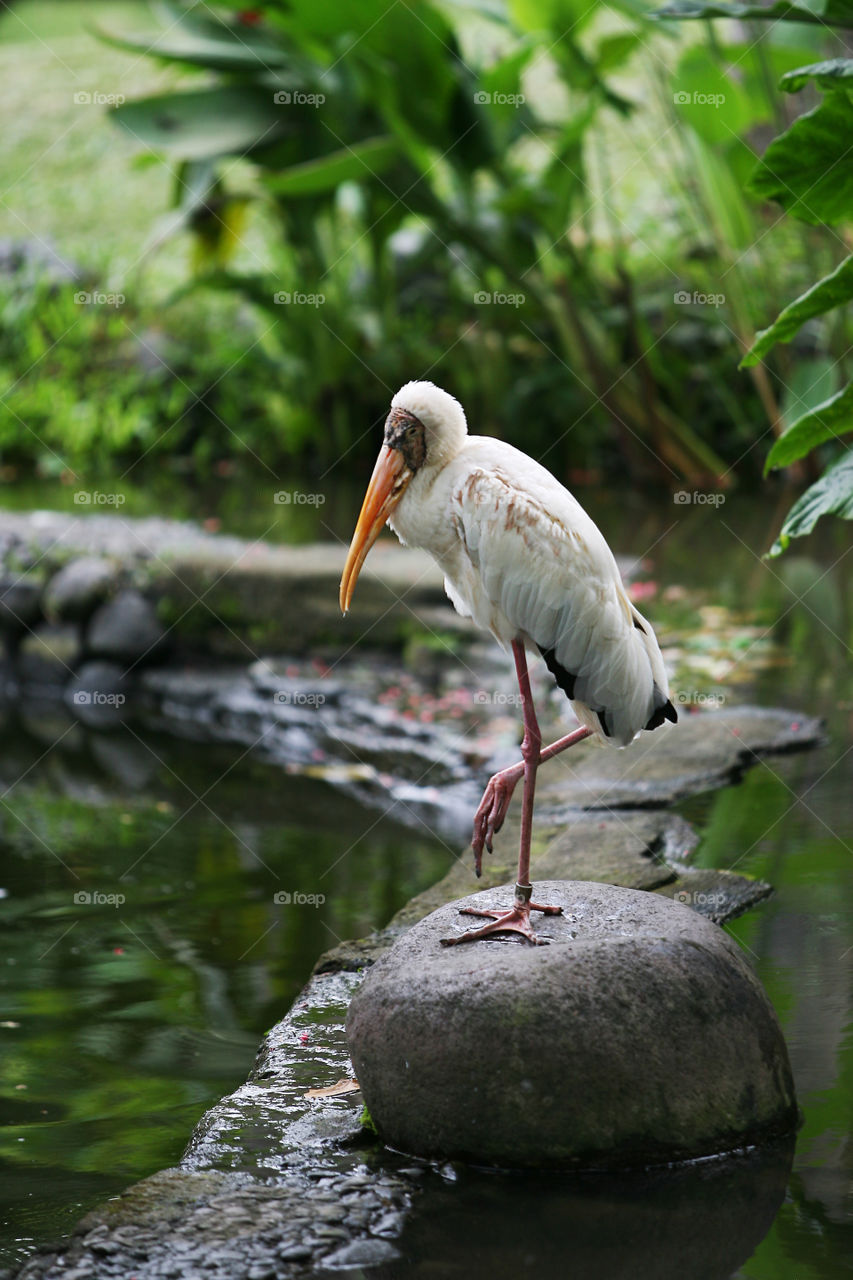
85	382
808	170
406	178
831	494
837	73
822	12
830	419
834	290
347	155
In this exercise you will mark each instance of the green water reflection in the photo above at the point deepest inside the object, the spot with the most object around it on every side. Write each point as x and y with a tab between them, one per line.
123	1020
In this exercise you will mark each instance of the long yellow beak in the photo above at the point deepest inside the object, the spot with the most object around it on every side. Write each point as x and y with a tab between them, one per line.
386	488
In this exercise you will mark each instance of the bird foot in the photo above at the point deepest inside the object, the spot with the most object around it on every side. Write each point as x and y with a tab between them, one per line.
515	920
492	811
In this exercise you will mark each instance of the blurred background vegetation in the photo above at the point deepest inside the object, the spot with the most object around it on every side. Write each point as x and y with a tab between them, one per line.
543	205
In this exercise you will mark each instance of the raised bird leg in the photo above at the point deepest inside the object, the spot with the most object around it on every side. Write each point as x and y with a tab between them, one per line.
494	805
517	919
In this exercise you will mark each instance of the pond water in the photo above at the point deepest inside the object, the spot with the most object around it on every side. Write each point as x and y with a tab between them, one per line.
121	1021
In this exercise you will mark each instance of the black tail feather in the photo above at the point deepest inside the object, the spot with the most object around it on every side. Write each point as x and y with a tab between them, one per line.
666	711
565	679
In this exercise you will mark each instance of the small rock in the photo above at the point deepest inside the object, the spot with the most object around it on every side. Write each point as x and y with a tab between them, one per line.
125	629
105	1247
78	588
389	1225
294	1253
361	1253
330	1212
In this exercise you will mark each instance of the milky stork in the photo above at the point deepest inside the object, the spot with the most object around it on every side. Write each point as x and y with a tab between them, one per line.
523	559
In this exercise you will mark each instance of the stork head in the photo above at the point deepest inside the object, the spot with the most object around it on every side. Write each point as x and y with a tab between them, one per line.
424	430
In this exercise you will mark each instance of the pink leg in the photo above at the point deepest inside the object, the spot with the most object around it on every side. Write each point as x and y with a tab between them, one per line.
494	805
517	919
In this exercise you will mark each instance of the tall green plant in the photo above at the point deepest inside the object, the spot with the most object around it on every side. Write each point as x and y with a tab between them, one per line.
808	170
373	108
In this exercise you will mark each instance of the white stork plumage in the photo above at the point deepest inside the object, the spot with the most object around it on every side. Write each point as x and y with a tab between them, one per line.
523	559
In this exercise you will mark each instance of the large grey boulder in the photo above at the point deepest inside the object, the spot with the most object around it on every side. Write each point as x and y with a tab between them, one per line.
125	629
78	588
639	1036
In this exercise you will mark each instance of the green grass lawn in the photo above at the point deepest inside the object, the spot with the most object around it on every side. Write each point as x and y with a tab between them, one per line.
70	178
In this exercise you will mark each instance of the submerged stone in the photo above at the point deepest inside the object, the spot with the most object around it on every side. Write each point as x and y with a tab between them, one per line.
639	1036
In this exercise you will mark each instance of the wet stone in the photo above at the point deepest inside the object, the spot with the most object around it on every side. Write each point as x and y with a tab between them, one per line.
361	1253
294	1253
125	629
78	588
628	977
389	1226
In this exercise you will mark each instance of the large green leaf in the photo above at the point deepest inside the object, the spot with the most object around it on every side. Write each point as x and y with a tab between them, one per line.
558	16
358	163
836	73
809	168
202	40
812	381
827	421
825	12
230	120
719	106
831	291
413	48
614	51
832	494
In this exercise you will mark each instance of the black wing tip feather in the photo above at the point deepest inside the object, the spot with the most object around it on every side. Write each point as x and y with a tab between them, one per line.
566	680
666	711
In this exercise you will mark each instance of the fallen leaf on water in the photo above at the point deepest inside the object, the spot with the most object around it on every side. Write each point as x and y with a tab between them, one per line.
334	1090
